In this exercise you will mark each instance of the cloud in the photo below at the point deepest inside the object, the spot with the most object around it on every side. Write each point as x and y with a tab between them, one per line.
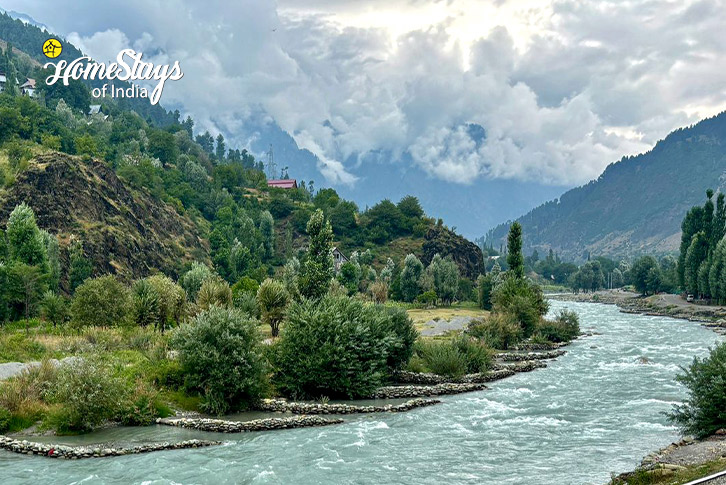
561	88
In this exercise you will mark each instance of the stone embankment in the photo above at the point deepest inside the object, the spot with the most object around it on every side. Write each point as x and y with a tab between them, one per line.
396	392
267	424
96	451
519	357
282	406
499	371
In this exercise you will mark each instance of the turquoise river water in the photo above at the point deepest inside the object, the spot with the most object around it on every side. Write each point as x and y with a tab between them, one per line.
596	410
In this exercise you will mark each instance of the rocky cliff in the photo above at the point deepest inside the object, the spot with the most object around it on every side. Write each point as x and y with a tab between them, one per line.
466	254
125	232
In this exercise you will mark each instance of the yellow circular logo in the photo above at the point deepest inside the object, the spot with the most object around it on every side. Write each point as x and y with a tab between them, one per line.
52	48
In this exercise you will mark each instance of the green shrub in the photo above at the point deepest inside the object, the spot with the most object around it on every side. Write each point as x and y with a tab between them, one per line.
272	298
399	324
88	395
214	291
441	357
20	348
220	355
506	293
101	301
478	356
498	331
5	417
525	313
53	308
145	304
336	347
192	280
704	411
142	408
427	298
247	303
565	327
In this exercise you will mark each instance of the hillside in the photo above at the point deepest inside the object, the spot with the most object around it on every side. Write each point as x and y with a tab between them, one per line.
124	232
637	204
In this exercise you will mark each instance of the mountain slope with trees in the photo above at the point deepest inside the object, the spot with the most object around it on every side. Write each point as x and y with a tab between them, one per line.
636	205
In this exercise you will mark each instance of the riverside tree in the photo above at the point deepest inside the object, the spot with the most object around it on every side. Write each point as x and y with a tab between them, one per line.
444	274
317	270
515	259
411	278
273	298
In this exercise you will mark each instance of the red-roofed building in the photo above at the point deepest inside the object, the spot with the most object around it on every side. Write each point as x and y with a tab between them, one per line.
283	184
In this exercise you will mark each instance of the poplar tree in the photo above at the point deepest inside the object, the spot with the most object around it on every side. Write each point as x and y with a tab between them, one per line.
317	271
515	259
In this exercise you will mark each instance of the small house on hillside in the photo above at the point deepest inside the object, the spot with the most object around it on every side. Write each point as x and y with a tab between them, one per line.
338	258
283	184
3	81
28	88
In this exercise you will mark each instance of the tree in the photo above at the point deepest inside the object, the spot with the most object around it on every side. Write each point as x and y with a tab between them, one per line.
52	249
214	292
697	253
80	266
515	259
485	285
162	145
221	148
411	278
643	275
192	280
221	357
27	284
444	274
25	242
350	276
267	230
53	308
102	301
273	298
317	270
410	207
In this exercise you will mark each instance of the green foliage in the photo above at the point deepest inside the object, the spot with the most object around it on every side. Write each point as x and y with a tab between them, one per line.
485	285
498	331
444	275
5	417
54	308
26	285
192	280
221	357
400	325
704	411
25	242
214	291
523	299
102	301
410	283
565	327
317	270
427	298
146	302
335	347
88	394
273	298
515	259
441	357
80	266
642	275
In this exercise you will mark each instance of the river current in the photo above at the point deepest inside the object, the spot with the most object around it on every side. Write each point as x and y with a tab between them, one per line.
596	410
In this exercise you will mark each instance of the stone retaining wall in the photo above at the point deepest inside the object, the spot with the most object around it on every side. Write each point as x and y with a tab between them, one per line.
394	392
96	451
519	357
279	405
523	366
222	426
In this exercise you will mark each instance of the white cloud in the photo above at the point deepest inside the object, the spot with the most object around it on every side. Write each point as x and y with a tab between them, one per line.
562	88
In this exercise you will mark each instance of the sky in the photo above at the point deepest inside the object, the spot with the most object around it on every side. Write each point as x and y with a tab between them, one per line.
562	88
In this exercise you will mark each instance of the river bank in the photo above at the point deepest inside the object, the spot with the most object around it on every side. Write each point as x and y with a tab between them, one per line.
679	462
664	305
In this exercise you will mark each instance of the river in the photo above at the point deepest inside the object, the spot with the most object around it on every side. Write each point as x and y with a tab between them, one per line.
596	410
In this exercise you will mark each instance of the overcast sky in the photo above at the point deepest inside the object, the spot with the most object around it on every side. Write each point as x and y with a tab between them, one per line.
562	88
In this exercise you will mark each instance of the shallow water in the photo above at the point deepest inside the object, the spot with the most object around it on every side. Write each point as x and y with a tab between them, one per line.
593	411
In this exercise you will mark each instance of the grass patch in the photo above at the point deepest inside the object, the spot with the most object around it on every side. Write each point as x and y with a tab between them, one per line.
670	477
422	315
20	348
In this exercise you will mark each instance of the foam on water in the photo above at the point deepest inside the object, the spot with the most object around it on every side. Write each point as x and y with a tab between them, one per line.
596	410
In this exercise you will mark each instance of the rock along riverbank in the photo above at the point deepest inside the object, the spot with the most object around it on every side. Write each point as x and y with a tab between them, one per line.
96	451
283	406
266	424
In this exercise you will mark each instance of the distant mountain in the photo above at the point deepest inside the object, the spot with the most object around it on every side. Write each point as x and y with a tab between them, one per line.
25	18
637	204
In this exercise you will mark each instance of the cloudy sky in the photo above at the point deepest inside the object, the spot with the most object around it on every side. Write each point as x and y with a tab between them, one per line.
562	88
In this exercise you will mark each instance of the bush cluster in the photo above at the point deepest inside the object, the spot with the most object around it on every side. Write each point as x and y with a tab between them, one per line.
452	358
339	347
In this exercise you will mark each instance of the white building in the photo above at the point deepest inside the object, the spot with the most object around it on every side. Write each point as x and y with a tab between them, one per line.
3	81
28	88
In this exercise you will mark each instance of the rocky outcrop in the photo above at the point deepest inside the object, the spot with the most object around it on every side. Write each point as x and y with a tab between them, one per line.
395	392
466	254
282	406
96	451
267	424
125	231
